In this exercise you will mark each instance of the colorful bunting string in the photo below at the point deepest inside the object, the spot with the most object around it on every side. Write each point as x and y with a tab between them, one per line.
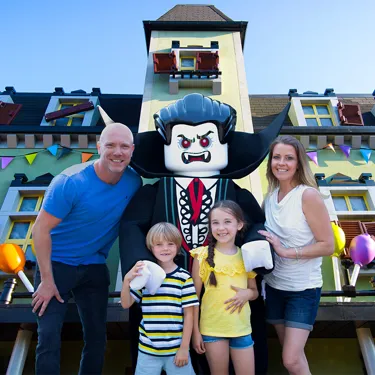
346	150
366	154
53	150
86	156
313	155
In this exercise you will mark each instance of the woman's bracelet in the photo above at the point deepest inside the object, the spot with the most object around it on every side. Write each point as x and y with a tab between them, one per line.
298	251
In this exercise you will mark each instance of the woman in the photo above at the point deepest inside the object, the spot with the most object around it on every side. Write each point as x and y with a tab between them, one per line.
298	228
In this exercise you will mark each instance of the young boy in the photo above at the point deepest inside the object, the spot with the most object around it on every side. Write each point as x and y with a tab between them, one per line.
167	316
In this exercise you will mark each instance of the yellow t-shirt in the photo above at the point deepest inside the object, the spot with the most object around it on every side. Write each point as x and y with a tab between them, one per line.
229	270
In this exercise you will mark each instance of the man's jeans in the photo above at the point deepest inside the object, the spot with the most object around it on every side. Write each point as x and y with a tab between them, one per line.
89	285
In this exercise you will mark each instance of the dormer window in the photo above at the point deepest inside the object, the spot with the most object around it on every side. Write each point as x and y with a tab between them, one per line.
69	113
313	109
69	110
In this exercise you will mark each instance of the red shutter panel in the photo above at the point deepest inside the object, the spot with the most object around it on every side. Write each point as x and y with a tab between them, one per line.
350	114
369	227
164	63
351	230
8	111
207	61
86	106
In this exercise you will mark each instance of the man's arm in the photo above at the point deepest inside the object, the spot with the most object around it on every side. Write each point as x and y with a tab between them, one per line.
41	231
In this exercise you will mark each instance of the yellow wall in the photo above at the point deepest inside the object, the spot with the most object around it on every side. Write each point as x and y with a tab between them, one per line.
230	88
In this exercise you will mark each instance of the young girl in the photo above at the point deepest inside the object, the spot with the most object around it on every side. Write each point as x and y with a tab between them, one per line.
224	328
167	315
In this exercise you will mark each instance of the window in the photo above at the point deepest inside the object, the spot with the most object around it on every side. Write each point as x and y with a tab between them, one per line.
352	202
21	225
71	120
313	109
60	111
317	114
187	63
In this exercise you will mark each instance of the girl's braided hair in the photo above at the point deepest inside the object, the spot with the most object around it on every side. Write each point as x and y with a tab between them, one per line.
234	209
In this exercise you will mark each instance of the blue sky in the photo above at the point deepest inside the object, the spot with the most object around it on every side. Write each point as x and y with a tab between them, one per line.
80	44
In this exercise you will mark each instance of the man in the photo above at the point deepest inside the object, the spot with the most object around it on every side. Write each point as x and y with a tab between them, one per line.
72	234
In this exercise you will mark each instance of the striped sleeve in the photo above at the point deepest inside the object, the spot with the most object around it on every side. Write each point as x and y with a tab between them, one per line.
136	294
189	295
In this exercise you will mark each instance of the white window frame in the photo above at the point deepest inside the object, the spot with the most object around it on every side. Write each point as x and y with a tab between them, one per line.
6	99
297	116
91	117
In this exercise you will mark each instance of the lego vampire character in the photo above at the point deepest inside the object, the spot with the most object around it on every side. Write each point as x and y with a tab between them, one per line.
196	153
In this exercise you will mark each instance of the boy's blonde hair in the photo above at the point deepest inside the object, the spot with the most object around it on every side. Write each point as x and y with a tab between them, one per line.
164	232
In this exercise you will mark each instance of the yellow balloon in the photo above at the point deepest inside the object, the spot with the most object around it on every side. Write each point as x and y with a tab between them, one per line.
339	237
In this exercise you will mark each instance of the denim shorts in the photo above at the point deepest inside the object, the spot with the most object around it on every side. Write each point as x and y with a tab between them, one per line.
293	309
241	342
152	364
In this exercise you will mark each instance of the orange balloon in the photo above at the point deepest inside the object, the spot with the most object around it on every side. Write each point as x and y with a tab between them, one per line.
12	258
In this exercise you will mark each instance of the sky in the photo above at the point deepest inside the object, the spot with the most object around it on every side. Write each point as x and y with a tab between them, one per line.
81	44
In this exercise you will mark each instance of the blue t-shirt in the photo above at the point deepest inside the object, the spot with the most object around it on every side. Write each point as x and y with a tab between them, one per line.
90	210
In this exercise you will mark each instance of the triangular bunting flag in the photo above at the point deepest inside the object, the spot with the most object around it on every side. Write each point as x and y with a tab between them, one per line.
31	157
64	151
346	150
86	156
366	154
5	161
330	145
53	149
313	155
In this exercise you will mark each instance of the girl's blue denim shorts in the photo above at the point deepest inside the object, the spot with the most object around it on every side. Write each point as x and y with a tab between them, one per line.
293	309
241	342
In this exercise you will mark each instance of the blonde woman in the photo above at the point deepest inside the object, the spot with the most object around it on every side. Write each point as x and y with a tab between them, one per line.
298	227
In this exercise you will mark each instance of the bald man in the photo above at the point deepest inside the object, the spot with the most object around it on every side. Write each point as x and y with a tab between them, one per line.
75	229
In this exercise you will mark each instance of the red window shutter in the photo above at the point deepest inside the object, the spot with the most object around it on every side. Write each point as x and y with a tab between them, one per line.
351	230
8	111
86	106
350	114
164	63
369	227
207	61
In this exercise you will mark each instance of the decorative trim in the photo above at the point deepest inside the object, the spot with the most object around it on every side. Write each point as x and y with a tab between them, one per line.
38	141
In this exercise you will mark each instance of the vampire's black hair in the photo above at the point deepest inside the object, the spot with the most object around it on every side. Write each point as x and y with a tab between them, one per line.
195	109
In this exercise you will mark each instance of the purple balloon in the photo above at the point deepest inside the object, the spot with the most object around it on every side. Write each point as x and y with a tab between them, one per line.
362	249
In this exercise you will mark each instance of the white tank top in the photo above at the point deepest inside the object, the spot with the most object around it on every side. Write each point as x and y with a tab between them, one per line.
287	221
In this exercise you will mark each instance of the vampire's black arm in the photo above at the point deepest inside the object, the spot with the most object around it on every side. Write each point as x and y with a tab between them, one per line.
134	225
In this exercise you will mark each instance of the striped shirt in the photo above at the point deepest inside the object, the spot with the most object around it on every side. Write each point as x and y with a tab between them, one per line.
160	331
